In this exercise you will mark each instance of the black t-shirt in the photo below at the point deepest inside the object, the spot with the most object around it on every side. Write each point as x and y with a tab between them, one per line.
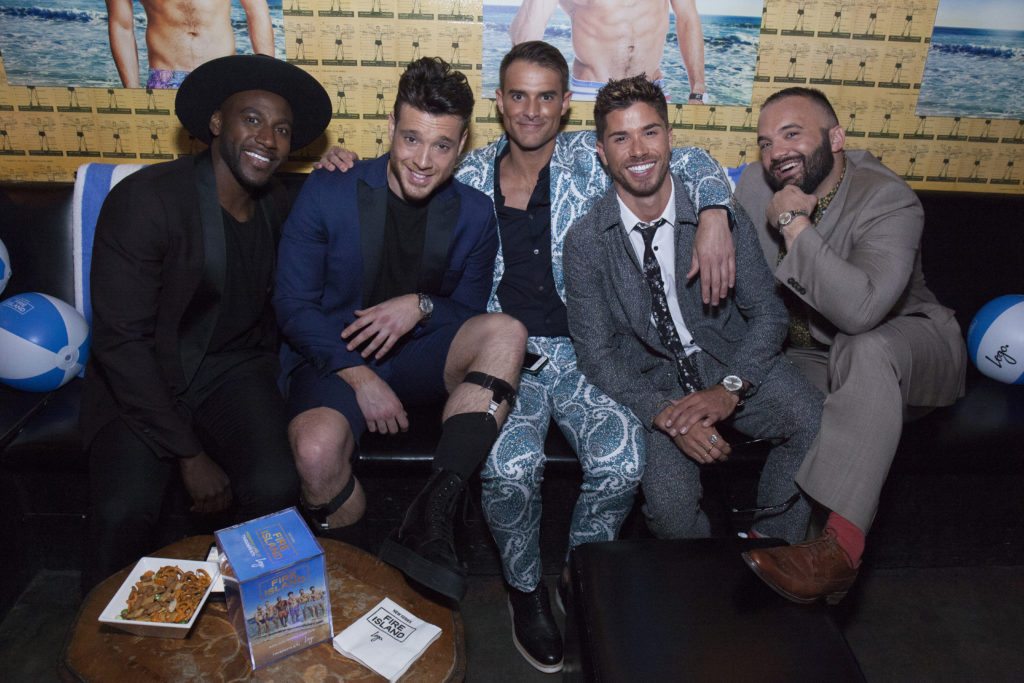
245	329
404	233
249	252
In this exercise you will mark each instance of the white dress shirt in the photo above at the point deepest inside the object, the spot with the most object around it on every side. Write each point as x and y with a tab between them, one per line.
664	245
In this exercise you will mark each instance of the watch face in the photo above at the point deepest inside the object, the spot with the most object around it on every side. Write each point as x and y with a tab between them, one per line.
426	305
785	218
732	383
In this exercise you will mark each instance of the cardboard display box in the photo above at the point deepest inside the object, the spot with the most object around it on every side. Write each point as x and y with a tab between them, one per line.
275	584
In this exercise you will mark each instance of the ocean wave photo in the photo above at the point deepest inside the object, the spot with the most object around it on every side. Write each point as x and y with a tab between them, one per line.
973	72
55	43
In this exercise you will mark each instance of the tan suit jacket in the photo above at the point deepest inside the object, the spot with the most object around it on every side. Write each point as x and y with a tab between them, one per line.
860	266
891	345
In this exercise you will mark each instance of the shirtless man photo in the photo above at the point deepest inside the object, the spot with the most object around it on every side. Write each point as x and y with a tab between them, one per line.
615	39
181	35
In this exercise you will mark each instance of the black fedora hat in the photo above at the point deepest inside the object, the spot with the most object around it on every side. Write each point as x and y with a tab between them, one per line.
206	88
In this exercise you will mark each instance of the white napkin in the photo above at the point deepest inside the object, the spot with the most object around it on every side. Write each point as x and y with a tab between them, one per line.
214	556
387	639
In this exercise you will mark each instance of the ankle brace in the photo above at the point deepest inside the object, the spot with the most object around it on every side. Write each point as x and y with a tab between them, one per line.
320	513
500	389
466	440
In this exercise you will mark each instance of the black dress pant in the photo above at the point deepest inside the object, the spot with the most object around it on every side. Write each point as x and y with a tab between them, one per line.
239	417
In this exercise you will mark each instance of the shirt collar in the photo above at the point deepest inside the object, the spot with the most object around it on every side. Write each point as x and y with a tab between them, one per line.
629	219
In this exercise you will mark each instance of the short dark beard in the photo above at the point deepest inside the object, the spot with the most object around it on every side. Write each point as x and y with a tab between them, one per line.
816	167
230	158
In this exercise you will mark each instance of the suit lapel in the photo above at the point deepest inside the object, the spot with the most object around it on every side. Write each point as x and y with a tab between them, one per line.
200	318
827	225
373	209
626	269
688	294
442	217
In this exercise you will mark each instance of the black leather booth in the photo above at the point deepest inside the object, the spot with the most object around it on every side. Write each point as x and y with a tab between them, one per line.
957	478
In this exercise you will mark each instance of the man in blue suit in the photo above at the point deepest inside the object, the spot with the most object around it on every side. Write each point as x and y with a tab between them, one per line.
382	285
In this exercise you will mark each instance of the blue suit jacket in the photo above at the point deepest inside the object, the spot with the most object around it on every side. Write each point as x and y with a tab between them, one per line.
330	254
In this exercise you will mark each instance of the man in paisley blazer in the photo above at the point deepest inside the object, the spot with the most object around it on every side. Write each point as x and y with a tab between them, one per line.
845	234
183	377
644	335
382	278
539	177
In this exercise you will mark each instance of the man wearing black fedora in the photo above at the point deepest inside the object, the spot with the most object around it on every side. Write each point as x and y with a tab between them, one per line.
182	381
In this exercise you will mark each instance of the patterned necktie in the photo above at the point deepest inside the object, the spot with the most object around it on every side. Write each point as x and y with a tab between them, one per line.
688	377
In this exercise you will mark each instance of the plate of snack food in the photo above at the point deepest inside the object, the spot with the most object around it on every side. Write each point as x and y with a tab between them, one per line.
161	597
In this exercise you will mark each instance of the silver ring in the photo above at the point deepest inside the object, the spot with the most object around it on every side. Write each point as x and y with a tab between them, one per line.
713	439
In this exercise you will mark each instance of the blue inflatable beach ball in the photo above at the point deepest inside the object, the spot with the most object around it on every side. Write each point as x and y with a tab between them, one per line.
5	266
995	339
44	342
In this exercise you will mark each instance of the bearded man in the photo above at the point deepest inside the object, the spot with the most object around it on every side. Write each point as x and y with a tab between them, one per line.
845	233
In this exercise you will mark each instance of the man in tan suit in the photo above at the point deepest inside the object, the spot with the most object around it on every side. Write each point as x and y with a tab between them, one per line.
845	234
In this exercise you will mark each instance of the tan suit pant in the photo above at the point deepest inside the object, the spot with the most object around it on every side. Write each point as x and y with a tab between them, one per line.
869	380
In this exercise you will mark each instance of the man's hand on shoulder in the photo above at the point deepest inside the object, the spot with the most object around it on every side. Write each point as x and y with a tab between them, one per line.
714	256
380	406
337	159
206	482
379	327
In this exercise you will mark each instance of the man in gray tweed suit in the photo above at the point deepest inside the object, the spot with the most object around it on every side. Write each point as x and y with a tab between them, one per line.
644	336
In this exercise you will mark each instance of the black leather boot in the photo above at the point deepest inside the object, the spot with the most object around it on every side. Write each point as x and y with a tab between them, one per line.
423	548
534	630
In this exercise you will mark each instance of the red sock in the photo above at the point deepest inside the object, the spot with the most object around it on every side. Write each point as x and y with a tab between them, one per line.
848	536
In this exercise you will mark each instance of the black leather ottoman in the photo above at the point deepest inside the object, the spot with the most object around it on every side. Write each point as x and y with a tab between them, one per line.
654	610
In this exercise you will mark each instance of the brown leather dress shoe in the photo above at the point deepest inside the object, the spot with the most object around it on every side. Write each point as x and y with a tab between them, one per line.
805	572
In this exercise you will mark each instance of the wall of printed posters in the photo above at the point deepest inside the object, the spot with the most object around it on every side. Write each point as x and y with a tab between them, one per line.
932	87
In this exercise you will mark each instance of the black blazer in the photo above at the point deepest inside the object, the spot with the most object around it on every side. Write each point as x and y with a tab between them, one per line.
157	275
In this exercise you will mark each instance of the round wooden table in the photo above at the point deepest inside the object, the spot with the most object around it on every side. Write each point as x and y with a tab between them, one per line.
213	651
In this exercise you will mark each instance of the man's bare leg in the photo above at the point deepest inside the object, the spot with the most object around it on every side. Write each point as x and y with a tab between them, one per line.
481	373
492	344
322	444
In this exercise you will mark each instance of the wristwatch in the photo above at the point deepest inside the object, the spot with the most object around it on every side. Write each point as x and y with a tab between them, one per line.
787	217
426	307
734	385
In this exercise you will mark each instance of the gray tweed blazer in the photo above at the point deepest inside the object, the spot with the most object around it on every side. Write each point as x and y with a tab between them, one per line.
609	306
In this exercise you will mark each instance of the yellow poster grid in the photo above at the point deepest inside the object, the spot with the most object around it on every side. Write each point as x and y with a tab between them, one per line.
868	56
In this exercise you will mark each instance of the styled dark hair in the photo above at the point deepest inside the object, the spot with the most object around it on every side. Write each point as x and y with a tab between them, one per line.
536	52
430	85
812	94
624	93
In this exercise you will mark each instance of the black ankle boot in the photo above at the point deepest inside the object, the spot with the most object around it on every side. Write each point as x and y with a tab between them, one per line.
423	548
534	630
